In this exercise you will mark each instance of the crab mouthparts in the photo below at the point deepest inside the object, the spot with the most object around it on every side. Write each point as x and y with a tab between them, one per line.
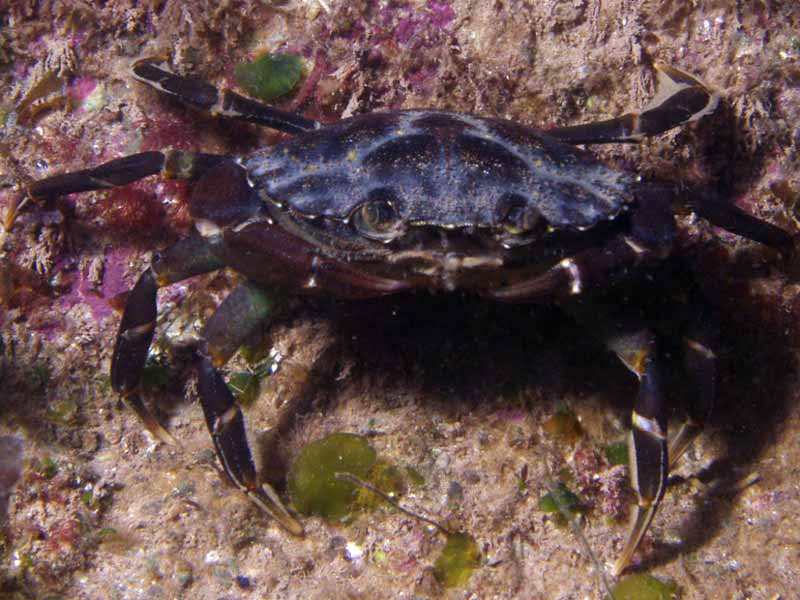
446	270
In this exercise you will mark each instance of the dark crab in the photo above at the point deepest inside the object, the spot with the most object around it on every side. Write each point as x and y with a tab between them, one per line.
387	202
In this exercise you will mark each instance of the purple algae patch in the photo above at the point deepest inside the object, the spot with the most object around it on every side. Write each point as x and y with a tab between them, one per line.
417	28
441	13
406	29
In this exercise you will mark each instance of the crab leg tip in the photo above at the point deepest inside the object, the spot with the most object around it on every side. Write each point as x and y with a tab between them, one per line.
268	501
640	521
149	421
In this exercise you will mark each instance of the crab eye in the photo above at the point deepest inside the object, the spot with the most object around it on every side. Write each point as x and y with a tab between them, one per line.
516	217
377	220
516	221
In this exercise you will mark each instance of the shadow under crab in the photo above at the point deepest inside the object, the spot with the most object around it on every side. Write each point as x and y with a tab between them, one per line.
384	203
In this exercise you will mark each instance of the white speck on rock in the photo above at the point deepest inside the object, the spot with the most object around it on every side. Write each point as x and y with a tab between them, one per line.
353	551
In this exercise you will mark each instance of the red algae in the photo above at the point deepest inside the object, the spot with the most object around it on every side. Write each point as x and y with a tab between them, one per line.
131	210
63	535
165	130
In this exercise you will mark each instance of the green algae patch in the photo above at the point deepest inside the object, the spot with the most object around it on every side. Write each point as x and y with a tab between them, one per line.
560	498
459	558
415	477
645	587
244	387
312	481
46	467
270	75
617	453
387	478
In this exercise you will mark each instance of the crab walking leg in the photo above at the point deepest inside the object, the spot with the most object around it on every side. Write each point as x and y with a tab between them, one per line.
708	204
188	257
246	309
680	98
113	173
648	438
125	170
700	364
226	103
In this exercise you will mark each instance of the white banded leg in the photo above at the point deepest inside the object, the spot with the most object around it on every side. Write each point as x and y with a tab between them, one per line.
649	461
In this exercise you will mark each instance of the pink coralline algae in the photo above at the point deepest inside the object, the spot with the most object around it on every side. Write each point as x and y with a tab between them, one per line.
79	89
85	290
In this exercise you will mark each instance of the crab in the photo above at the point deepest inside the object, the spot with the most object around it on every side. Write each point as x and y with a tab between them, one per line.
387	202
